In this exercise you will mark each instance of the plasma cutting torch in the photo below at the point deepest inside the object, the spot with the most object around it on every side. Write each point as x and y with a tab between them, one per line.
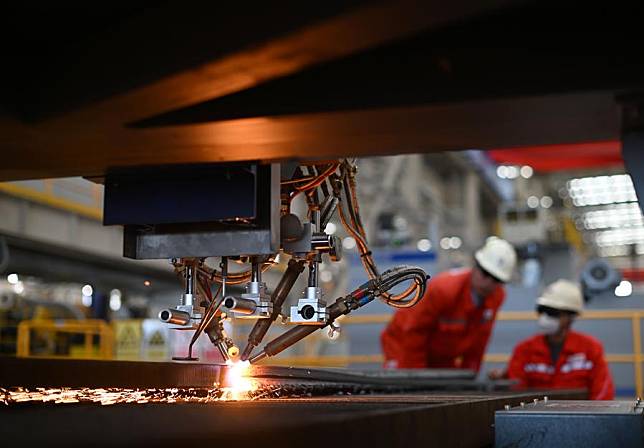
176	213
364	294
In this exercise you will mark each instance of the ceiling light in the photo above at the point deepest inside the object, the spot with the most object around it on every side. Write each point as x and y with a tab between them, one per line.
326	276
526	171
601	190
349	243
87	290
613	251
613	217
115	300
533	202
620	237
513	172
624	289
424	245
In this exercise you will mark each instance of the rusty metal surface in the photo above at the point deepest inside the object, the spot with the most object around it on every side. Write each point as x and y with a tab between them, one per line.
47	372
400	420
295	406
50	372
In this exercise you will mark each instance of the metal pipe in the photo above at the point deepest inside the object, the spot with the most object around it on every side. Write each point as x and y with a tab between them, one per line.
255	277
278	297
189	274
224	274
241	306
328	208
285	340
315	217
190	284
175	317
313	274
258	357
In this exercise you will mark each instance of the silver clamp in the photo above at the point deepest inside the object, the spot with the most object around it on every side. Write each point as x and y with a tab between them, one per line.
255	303
310	310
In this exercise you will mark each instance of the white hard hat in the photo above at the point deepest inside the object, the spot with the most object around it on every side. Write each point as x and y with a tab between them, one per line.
562	295
497	257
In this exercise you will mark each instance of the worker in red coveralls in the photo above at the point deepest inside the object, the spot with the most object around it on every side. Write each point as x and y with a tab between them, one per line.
558	357
451	325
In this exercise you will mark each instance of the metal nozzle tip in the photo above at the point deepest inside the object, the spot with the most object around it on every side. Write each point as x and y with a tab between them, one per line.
233	352
247	352
258	357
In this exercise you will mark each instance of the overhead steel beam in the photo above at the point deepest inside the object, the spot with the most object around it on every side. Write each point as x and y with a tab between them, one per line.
335	37
504	123
90	137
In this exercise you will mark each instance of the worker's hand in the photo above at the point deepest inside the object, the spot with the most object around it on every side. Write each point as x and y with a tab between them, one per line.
496	374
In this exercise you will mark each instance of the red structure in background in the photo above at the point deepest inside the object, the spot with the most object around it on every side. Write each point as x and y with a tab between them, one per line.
573	156
633	275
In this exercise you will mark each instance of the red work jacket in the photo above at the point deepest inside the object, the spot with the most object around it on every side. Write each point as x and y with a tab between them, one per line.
581	364
446	329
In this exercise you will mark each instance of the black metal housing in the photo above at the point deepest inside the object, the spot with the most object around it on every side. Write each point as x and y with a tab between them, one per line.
196	211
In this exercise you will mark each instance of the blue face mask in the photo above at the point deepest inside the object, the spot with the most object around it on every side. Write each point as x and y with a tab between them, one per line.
548	324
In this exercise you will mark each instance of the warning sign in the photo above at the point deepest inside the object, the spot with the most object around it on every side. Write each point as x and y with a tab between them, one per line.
128	334
155	341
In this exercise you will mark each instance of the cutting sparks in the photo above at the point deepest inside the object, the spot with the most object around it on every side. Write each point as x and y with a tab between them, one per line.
239	385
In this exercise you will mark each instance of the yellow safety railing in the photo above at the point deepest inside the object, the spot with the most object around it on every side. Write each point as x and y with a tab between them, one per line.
636	358
50	199
89	328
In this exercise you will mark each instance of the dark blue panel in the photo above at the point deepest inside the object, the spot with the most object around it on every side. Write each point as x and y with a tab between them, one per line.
184	194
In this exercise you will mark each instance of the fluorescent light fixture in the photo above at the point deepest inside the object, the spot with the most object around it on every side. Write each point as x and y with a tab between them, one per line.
620	237
617	216
601	190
